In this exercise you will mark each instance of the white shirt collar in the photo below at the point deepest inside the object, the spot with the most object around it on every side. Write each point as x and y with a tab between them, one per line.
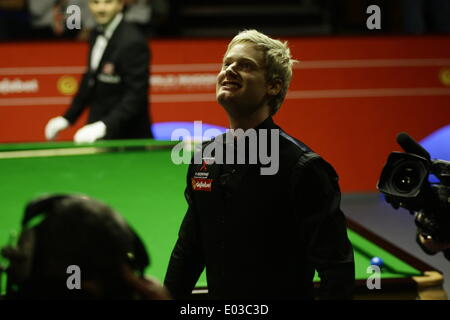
112	26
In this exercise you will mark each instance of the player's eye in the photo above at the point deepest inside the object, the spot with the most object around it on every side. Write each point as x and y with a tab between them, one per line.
246	65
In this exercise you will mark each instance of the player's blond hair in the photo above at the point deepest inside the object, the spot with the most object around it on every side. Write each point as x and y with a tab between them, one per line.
278	61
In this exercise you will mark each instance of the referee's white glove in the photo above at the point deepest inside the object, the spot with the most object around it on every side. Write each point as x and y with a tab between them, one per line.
54	126
90	132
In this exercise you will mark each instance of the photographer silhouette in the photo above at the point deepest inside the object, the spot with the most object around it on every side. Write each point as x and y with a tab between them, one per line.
71	232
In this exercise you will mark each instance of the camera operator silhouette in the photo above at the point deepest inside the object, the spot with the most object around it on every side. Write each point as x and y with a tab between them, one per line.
405	183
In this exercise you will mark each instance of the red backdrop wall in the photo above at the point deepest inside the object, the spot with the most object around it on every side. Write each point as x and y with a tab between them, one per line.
348	99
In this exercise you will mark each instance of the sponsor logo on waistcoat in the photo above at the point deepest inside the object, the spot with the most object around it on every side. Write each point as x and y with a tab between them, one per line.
201	184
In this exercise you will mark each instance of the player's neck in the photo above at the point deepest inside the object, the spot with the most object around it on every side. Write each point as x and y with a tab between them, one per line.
249	121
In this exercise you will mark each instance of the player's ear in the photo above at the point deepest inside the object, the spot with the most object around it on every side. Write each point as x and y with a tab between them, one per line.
274	87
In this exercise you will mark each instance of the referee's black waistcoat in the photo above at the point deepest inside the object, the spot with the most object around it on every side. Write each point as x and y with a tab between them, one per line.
263	236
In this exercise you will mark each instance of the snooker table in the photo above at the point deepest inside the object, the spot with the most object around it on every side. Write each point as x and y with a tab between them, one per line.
138	179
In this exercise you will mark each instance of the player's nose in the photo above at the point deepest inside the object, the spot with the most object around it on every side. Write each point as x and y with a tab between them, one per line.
230	71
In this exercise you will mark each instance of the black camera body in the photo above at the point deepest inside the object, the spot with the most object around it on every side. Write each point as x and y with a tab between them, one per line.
405	183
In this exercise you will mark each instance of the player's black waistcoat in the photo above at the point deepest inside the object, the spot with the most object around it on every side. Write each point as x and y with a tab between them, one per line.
249	227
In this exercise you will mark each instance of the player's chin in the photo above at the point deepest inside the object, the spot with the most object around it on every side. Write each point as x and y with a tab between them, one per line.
226	101
223	96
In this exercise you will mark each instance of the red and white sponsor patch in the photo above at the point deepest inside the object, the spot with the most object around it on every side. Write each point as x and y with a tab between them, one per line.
201	184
